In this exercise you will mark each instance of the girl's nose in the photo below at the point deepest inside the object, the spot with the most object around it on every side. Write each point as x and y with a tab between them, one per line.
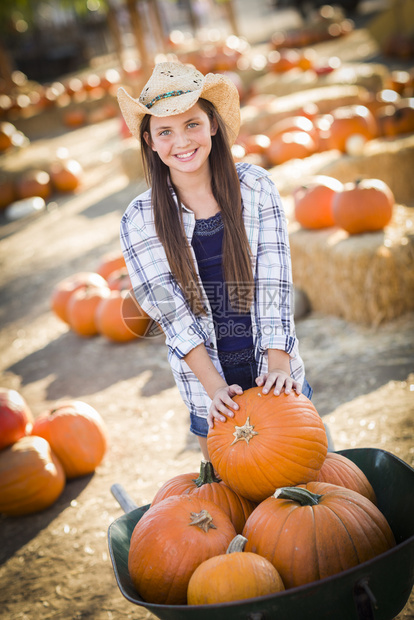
181	139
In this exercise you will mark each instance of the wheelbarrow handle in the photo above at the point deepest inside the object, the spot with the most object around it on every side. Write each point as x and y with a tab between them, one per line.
124	500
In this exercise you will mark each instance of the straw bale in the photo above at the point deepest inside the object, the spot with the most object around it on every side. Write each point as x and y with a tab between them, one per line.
255	119
373	77
391	160
367	278
131	161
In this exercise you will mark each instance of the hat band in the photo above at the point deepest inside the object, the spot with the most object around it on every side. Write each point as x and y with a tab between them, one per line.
171	93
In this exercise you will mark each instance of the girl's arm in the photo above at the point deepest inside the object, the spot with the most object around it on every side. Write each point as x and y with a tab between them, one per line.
216	387
278	374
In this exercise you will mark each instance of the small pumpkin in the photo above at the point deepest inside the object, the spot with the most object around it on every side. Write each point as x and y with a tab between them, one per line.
64	289
74	117
316	530
233	576
338	469
120	318
7	131
271	441
16	418
110	262
34	183
7	191
119	280
170	541
81	309
398	119
206	485
31	477
313	202
66	175
363	206
77	435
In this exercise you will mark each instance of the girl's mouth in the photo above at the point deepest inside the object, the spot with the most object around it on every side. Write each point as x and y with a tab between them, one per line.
186	156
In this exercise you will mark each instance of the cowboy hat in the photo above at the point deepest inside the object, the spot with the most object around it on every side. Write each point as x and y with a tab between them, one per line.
174	88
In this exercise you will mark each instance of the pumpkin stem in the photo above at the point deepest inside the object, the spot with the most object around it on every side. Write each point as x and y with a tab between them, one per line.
237	544
296	494
203	520
245	432
207	475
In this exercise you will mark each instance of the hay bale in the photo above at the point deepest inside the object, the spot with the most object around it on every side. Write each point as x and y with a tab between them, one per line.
130	157
373	77
391	160
366	278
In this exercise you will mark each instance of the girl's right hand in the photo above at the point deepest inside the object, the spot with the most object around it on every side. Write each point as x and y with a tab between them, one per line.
221	400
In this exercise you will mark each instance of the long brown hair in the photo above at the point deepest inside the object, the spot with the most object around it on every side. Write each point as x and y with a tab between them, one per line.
169	220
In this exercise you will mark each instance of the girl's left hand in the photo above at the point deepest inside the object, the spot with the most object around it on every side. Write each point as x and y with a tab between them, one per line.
280	380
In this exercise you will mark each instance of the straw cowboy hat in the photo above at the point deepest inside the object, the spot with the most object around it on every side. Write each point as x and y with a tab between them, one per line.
174	88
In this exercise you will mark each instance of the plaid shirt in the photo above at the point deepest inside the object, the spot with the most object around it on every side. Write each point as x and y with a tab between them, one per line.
159	295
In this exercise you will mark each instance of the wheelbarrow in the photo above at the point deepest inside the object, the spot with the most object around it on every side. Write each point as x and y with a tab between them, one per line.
374	590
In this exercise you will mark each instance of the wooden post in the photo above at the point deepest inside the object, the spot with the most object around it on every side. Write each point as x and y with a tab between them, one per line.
231	15
115	32
138	32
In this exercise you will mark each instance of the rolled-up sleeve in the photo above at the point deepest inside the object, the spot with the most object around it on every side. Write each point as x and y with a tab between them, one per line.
156	290
274	288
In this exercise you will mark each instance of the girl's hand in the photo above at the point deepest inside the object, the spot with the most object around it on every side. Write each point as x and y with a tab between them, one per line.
280	380
221	400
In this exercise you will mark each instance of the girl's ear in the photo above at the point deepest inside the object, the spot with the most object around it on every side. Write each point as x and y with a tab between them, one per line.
213	126
148	140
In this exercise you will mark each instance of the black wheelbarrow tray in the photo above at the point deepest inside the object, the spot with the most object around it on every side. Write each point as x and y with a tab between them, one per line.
377	589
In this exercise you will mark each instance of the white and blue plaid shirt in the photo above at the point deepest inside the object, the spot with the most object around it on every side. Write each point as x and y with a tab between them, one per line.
161	298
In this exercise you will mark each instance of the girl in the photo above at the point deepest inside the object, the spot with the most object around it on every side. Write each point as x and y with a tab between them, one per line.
207	247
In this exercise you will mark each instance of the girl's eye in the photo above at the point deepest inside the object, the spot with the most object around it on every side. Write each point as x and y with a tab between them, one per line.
193	125
165	132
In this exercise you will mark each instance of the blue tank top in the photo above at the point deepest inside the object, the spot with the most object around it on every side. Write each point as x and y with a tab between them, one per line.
233	330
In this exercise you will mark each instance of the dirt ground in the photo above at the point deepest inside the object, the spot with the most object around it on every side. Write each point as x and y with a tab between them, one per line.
55	564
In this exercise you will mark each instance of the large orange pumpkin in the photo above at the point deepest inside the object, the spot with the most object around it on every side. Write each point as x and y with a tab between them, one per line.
31	477
293	123
349	121
77	435
363	206
16	418
337	469
120	319
290	145
316	530
81	309
233	576
170	541
271	441
64	289
207	486
313	202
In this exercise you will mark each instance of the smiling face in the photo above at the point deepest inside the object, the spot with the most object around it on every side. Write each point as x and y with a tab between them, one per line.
182	141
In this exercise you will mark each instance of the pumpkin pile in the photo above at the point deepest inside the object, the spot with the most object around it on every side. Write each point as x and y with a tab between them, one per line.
101	302
361	206
271	511
62	176
38	456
